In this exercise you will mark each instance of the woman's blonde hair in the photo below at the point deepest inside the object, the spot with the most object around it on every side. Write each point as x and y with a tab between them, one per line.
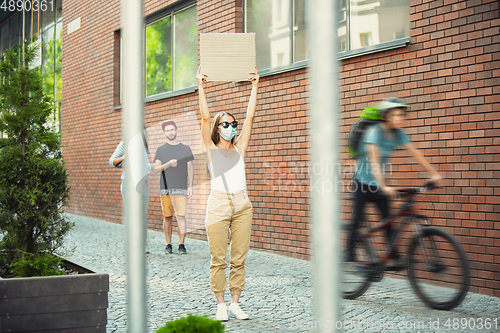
215	127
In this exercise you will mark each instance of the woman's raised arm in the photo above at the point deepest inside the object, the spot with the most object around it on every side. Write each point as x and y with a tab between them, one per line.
205	113
244	138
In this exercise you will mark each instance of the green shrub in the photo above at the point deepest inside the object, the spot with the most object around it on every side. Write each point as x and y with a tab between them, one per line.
192	324
33	178
37	265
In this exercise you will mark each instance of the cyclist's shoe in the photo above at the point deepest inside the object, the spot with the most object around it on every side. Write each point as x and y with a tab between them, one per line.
357	268
349	256
398	264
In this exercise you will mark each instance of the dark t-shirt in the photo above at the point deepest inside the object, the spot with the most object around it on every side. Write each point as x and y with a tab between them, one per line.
176	178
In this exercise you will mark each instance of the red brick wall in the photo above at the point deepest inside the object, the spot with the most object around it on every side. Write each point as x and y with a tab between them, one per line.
448	75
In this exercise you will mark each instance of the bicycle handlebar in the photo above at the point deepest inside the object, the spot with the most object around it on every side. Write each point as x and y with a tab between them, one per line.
409	191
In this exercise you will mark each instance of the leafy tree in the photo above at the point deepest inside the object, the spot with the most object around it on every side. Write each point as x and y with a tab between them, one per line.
33	177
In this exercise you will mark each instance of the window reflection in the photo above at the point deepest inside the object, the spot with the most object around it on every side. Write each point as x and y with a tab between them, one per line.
259	15
159	57
51	34
14	31
301	11
172	52
373	22
186	48
342	25
280	27
4	38
279	33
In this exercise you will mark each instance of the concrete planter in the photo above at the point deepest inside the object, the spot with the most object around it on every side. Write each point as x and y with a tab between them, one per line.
68	303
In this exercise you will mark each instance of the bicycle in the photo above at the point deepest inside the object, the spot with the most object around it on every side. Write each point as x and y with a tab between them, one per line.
438	267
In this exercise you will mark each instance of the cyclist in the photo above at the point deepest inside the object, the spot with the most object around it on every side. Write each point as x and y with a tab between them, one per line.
378	142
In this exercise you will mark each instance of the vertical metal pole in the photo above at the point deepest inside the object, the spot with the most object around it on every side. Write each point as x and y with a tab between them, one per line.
54	67
24	23
325	166
132	124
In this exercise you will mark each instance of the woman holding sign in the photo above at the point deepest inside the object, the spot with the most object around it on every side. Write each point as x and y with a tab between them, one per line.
228	208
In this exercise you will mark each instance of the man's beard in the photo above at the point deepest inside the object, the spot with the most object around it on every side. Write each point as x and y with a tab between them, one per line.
172	139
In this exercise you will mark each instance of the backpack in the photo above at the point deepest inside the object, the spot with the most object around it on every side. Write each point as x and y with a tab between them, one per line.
369	117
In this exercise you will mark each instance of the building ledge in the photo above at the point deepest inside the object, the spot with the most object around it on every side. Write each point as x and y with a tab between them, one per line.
157	97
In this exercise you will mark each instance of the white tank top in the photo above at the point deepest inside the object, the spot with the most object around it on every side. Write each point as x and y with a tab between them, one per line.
227	171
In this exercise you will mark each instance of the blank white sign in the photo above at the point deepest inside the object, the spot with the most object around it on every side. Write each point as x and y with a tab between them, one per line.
227	56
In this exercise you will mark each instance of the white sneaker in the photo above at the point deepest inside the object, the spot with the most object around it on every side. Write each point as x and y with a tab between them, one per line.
236	311
221	312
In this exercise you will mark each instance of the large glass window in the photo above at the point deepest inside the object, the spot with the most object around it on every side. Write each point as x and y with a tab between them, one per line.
363	23
4	38
280	27
51	35
280	31
46	26
172	52
14	31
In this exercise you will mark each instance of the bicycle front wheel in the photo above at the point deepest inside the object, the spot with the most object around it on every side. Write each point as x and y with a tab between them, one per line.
438	269
355	277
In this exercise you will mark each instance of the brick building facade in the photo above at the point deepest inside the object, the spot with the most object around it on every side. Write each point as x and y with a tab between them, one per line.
447	71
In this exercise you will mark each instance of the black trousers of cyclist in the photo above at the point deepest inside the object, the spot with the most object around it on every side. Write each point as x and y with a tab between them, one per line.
364	194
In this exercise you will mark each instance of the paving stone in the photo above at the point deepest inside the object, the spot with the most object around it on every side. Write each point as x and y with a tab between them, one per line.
277	296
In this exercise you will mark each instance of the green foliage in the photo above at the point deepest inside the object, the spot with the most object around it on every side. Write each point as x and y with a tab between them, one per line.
192	324
45	264
52	63
158	57
162	48
33	178
51	69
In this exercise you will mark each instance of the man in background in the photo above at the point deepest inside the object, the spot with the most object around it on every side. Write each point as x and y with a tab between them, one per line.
174	160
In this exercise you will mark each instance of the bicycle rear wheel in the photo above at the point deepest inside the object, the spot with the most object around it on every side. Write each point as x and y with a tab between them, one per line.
355	277
438	269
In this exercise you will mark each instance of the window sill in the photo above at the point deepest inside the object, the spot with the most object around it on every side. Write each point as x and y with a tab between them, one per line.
393	44
284	69
157	97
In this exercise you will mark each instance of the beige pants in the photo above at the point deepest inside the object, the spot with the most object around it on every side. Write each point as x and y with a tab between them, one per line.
228	212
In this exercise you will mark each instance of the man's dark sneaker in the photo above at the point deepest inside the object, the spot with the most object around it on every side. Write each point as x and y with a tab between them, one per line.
168	249
182	249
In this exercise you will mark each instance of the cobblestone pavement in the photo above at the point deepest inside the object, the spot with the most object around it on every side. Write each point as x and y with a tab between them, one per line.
277	296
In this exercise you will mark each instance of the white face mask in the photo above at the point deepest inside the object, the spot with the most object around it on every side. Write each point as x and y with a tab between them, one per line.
228	133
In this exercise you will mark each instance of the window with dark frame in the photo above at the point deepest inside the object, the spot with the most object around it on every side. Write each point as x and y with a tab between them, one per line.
172	51
45	27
